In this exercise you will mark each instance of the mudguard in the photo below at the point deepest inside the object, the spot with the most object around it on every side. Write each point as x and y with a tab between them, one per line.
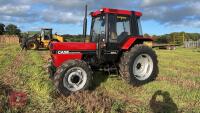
132	40
61	52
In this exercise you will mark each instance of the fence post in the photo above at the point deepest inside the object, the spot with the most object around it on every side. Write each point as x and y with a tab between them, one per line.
190	44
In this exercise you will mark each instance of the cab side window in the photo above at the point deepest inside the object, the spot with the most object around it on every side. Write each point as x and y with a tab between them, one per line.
123	28
119	27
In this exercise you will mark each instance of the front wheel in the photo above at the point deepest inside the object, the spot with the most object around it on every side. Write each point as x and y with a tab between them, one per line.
32	45
139	65
72	76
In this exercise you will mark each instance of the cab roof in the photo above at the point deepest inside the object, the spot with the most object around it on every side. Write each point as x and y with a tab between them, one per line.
115	11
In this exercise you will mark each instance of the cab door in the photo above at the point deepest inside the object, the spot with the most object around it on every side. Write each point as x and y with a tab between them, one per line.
118	31
98	34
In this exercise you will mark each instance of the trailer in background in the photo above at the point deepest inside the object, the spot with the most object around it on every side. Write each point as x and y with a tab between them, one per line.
165	46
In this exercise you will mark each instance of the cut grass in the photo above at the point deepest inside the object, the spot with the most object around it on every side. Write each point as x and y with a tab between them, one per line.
7	55
29	76
179	79
182	65
37	83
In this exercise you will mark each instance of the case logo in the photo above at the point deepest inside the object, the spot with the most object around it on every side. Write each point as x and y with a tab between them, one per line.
67	52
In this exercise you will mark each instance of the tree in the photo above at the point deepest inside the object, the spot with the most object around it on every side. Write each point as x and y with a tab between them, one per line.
12	30
146	35
2	29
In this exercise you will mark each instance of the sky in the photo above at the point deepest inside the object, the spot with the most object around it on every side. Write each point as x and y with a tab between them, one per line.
66	16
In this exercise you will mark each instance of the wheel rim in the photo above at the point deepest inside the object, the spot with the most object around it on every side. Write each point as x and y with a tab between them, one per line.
75	79
32	46
143	67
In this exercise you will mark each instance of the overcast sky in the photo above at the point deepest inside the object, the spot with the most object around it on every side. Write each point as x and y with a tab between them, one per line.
65	16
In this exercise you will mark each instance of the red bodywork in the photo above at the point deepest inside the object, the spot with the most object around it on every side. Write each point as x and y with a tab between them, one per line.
130	41
74	48
115	11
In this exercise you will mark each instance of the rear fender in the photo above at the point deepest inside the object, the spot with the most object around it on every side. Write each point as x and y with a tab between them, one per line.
132	41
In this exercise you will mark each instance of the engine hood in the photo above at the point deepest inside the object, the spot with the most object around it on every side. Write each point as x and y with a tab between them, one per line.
73	46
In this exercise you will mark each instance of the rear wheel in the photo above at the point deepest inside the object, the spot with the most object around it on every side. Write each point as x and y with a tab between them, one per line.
32	45
139	65
72	76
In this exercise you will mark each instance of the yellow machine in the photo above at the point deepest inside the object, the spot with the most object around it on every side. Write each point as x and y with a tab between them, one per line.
42	39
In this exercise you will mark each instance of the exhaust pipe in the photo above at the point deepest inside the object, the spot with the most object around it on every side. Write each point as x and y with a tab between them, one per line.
85	24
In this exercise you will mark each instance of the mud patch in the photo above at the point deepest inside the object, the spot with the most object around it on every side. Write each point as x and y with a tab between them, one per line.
4	91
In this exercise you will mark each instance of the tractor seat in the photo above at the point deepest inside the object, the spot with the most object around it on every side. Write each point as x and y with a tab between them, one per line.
122	36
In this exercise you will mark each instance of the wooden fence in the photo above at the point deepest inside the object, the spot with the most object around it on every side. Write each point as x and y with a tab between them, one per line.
192	44
9	39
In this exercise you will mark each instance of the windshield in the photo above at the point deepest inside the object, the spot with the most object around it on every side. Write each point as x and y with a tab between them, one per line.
98	28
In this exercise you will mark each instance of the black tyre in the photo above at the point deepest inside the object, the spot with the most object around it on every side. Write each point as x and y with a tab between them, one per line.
139	65
32	45
72	76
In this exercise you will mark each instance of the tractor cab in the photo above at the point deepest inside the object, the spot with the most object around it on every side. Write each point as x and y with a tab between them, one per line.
115	25
46	34
111	28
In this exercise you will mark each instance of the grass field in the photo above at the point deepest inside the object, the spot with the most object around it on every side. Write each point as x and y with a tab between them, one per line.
177	88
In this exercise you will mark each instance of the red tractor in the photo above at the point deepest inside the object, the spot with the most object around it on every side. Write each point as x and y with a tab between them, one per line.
116	43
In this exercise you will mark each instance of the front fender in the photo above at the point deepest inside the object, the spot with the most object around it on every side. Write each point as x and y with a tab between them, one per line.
58	59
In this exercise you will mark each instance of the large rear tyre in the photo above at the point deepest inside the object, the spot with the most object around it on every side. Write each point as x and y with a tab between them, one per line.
139	65
72	76
32	45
